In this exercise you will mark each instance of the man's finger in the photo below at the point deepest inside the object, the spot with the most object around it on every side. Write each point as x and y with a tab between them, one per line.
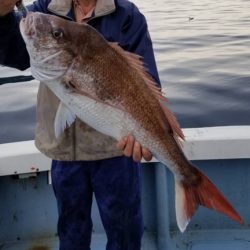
6	6
137	152
146	154
128	150
122	143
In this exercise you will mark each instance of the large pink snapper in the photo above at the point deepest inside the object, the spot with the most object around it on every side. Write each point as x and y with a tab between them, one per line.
109	89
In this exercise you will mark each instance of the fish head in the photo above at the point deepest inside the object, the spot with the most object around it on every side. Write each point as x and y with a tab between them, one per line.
51	44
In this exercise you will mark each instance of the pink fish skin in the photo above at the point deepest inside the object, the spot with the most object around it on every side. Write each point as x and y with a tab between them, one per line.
88	73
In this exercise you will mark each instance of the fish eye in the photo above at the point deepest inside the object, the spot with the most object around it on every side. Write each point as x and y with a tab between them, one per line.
57	34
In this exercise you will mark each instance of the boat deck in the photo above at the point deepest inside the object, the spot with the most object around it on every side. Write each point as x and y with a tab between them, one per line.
200	241
98	243
28	212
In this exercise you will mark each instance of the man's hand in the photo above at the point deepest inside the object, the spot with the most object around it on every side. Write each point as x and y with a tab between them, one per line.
131	147
6	6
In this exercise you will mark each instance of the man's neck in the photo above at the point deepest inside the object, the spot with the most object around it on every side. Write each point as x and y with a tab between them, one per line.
87	3
84	9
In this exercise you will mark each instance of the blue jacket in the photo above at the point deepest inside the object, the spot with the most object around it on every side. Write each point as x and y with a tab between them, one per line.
118	21
130	31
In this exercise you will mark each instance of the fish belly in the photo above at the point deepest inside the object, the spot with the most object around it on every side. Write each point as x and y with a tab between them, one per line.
111	121
102	117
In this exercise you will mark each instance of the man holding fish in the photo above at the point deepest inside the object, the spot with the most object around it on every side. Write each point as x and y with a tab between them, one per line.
84	160
94	79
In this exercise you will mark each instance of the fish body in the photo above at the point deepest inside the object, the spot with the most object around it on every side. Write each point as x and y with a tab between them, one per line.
110	90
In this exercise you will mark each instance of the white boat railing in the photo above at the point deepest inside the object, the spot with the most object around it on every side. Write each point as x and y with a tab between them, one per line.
227	142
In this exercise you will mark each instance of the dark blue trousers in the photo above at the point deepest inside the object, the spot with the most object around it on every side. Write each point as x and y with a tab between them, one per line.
116	183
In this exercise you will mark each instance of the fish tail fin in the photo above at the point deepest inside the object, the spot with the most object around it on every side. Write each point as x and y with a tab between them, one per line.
190	196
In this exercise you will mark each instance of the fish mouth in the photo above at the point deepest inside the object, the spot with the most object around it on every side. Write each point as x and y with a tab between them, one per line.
27	26
31	24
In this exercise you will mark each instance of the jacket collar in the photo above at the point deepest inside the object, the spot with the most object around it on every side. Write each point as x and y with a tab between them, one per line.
63	8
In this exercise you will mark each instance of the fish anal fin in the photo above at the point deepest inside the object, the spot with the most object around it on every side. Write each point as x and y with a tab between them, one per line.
190	196
64	118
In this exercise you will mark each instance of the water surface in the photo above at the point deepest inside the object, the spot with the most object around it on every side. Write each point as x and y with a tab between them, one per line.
203	57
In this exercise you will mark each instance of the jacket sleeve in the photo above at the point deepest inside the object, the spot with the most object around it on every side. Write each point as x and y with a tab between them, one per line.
13	51
135	38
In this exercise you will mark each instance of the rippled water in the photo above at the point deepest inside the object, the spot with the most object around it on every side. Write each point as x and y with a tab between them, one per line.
203	57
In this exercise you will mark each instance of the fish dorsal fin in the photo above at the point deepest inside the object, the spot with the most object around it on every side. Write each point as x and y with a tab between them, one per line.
136	62
64	118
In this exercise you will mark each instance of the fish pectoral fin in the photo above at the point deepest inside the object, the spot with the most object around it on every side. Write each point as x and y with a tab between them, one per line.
64	118
203	193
